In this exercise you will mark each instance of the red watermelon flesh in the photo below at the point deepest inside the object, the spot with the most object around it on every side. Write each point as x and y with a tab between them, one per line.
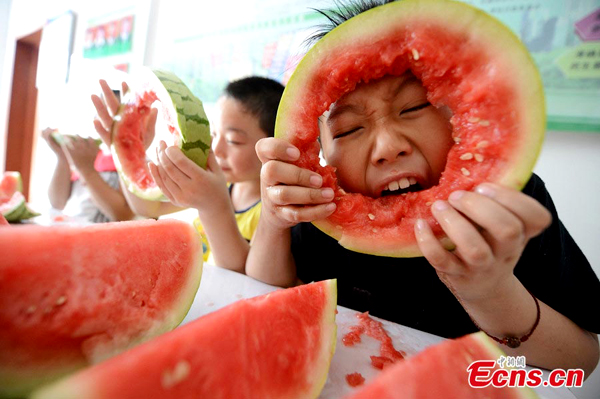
467	61
440	371
73	295
10	184
3	220
274	346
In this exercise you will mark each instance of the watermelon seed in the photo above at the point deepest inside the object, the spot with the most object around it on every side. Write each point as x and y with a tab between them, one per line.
456	139
179	373
465	171
415	54
338	227
31	309
61	301
482	144
371	216
473	119
479	157
133	294
484	123
375	230
466	156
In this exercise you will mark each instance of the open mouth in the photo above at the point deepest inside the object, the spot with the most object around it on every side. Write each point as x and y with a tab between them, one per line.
402	186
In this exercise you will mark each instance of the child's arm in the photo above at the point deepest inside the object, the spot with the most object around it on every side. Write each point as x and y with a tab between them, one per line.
490	228
187	185
289	195
111	202
59	190
106	108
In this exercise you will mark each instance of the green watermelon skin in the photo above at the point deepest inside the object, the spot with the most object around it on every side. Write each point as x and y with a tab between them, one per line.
440	371
274	346
73	296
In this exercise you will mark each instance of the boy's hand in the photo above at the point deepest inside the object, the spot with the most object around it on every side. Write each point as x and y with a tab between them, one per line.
186	184
108	106
289	193
81	153
490	228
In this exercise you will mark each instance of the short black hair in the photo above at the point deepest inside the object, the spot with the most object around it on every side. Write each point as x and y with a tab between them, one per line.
260	96
343	11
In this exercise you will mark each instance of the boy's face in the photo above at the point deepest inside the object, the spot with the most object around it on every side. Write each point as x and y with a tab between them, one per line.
384	137
234	135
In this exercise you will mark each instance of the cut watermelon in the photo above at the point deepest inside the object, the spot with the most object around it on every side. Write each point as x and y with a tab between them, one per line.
440	371
274	346
75	295
3	221
181	122
61	138
467	61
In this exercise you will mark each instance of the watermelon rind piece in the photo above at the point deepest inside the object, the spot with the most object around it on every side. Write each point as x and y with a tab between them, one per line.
181	122
61	138
342	59
14	207
86	293
194	360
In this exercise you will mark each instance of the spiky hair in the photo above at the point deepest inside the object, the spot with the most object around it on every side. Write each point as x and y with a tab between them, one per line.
342	11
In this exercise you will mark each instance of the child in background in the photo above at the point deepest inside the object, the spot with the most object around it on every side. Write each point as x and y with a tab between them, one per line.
515	271
227	214
85	183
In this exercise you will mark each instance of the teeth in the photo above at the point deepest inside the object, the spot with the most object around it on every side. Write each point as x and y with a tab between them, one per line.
401	184
404	183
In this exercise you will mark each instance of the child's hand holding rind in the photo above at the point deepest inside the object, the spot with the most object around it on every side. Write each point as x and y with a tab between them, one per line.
290	194
490	228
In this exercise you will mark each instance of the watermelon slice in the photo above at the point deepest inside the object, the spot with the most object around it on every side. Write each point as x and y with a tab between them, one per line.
467	61
74	295
181	122
440	371
274	346
3	221
61	138
13	205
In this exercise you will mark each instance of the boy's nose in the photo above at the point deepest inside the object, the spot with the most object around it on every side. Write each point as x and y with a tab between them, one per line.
218	146
388	145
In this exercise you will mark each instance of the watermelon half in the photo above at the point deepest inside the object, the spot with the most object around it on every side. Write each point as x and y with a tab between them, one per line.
467	61
181	122
440	371
274	346
73	295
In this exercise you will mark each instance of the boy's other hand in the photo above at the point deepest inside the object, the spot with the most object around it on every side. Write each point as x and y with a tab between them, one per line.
490	228
81	153
107	107
290	194
54	146
186	184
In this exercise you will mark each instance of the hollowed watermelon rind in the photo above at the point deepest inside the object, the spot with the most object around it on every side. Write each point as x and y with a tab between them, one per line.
497	63
182	121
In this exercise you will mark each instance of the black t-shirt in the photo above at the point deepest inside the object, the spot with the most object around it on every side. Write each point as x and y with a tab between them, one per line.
409	292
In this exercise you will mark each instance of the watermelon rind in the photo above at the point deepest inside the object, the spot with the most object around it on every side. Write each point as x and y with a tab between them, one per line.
61	138
181	122
509	62
91	383
18	380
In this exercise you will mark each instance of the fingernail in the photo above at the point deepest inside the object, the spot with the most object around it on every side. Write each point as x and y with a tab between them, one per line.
330	207
327	193
316	180
456	195
420	224
440	205
293	152
486	189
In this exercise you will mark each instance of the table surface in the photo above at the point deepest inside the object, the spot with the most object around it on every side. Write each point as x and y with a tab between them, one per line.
220	287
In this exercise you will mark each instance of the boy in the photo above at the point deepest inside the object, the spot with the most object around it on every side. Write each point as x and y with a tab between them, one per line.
385	131
228	215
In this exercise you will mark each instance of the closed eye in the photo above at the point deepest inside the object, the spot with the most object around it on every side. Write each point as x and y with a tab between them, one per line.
416	108
346	133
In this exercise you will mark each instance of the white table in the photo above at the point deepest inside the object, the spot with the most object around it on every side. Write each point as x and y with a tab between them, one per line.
220	287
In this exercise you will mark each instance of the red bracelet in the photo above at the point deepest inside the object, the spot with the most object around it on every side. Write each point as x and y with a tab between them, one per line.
515	342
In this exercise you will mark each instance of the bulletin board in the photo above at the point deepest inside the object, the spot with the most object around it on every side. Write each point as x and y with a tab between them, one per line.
563	37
